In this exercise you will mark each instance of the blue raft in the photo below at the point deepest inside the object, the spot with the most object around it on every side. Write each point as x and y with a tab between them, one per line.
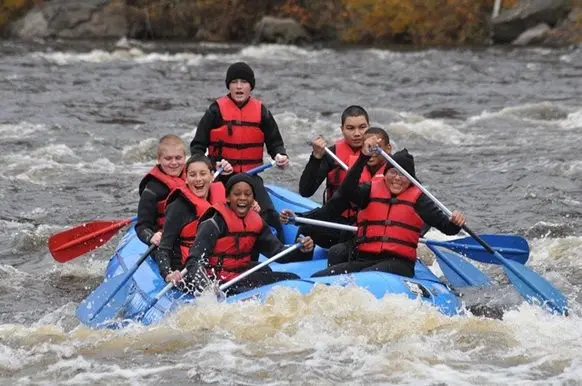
138	295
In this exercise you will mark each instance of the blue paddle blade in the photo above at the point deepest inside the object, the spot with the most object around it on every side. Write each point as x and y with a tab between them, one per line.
534	288
512	247
106	302
459	272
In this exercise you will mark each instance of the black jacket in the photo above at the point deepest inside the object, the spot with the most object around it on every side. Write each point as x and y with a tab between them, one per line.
178	213
147	211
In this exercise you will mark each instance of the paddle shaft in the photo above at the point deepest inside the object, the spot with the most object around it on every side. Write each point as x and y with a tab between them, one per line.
351	228
217	173
259	169
516	272
259	266
336	158
128	274
167	288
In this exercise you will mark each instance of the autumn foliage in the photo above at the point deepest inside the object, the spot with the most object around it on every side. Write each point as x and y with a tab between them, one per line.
12	9
417	22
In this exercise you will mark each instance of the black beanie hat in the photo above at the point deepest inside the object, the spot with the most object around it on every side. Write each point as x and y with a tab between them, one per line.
240	177
404	159
240	70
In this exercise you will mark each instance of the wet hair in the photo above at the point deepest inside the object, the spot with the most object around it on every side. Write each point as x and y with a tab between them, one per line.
170	140
380	132
199	158
354	111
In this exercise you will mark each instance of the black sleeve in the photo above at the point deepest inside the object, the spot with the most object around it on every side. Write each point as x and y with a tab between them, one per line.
333	208
315	173
273	139
178	213
209	230
433	216
210	120
147	210
269	245
358	194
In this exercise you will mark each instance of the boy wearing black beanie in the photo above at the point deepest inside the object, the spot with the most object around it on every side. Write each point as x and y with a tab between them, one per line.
235	128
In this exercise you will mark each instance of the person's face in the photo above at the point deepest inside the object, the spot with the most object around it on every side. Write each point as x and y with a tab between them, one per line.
353	130
395	181
240	198
240	90
172	159
376	159
198	178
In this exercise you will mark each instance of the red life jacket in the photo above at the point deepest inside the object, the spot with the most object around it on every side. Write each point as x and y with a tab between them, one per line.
390	224
336	175
352	212
239	139
232	252
216	195
169	181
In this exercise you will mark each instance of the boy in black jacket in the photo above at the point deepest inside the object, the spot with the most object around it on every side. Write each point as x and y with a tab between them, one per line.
235	128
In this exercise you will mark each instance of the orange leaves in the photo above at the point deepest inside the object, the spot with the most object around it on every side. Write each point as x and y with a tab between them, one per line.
291	9
417	21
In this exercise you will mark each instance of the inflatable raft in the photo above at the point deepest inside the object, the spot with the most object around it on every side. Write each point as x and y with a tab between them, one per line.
135	300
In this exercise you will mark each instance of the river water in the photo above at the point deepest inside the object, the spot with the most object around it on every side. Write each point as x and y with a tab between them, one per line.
495	132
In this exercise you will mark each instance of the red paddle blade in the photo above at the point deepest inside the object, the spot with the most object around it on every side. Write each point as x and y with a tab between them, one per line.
67	245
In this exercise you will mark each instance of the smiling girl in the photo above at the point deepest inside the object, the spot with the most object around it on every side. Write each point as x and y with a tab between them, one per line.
230	238
185	206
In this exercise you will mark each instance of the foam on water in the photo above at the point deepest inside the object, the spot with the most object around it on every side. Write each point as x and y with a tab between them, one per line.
125	53
414	126
90	265
131	54
20	130
542	111
389	54
573	121
336	333
279	52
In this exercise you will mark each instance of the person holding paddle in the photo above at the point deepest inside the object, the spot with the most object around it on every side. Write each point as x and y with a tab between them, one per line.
185	205
339	209
236	128
392	215
229	237
165	176
354	124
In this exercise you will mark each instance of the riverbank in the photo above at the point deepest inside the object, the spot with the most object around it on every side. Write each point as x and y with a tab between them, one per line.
380	22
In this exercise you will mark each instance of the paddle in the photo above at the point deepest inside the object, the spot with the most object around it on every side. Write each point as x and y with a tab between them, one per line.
259	169
459	273
512	247
67	245
528	283
226	285
106	300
